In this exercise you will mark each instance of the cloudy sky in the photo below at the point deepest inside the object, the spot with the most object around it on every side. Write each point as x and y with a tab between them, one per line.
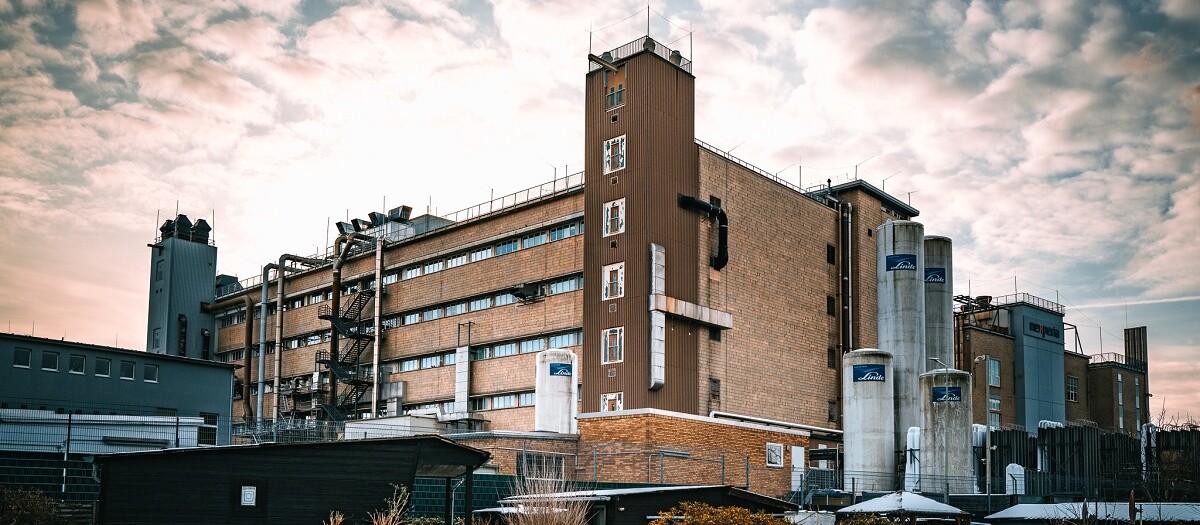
1057	142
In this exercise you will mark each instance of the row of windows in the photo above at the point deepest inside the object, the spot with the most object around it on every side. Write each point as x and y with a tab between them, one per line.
475	304
238	316
495	402
502	349
77	365
480	253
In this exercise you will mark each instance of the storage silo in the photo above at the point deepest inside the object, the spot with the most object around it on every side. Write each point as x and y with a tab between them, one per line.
869	437
946	452
900	273
939	302
555	401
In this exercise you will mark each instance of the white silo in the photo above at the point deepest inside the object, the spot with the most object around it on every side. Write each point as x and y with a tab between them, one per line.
946	453
868	432
900	265
939	301
555	400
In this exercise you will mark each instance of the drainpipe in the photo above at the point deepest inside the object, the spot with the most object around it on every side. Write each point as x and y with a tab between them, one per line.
281	277
378	326
713	212
262	337
341	247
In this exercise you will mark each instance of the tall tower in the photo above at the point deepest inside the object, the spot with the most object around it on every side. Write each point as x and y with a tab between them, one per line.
183	265
640	245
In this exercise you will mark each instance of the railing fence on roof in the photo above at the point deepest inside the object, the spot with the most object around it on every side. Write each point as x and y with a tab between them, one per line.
636	47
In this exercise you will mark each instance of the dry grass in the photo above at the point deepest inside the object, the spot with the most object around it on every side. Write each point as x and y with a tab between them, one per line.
335	518
539	509
393	511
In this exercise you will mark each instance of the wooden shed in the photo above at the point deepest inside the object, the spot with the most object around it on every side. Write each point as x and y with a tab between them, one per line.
274	483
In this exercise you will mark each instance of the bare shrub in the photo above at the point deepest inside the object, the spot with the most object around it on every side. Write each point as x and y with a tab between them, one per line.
26	507
693	513
537	507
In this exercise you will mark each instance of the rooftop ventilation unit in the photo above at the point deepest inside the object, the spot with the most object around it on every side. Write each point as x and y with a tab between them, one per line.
377	219
345	228
361	225
400	214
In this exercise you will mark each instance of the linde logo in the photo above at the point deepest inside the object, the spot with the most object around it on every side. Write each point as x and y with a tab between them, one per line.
935	275
1046	331
560	369
869	373
947	393
901	261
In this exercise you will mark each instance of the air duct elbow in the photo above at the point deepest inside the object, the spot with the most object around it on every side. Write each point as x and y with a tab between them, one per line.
715	212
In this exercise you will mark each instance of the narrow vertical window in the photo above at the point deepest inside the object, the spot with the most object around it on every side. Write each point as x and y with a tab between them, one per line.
612	402
614	154
993	368
613	281
614	217
612	345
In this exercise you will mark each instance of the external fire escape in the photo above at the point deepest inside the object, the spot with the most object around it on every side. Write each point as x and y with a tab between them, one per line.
346	368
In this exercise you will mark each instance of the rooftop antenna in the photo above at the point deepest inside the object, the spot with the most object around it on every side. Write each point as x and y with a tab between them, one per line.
861	163
910	196
647	19
884	182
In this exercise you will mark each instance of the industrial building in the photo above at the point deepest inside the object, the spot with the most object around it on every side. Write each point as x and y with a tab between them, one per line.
620	317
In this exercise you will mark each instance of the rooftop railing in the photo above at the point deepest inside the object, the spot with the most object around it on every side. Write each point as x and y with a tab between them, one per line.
1030	299
396	232
637	46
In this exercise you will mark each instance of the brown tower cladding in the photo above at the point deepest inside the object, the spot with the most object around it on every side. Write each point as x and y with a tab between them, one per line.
640	156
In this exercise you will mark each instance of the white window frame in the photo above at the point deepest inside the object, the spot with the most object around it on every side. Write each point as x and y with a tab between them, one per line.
1073	389
774	455
616	399
608	350
607	283
993	370
616	162
77	358
410	272
619	206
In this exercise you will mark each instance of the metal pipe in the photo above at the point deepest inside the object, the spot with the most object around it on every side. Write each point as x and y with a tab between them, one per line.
713	211
262	338
281	278
341	246
247	341
378	325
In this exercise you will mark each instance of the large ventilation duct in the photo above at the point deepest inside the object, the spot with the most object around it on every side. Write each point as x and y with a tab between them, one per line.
939	301
900	272
554	395
713	212
946	454
869	434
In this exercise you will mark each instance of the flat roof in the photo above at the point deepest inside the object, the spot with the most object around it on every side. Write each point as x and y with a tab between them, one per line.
114	350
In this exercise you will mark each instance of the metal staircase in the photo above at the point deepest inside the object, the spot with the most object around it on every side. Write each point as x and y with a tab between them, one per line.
347	324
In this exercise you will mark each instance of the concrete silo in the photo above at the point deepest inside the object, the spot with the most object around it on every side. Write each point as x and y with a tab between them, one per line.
900	277
946	452
869	436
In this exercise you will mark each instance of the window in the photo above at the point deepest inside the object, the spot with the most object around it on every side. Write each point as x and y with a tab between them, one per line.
207	433
526	399
22	357
103	367
150	373
1073	389
533	345
533	239
832	408
831	357
481	254
533	465
505	298
390	278
774	454
830	254
612	402
408	365
565	340
434	267
50	361
156	337
614	154
456	309
994	419
830	305
410	272
614	281
504	401
994	411
505	349
431	314
389	322
411	318
481	353
614	217
1120	401
612	345
615	97
159	269
76	364
479	403
127	370
456	260
449	358
993	372
482	303
432	361
506	247
564	231
564	285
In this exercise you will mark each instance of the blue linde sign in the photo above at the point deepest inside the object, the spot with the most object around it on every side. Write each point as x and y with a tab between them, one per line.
901	261
869	373
935	275
560	369
947	393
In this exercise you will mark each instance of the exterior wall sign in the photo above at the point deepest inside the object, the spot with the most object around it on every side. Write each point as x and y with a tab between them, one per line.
901	261
560	369
947	393
935	275
1044	331
869	373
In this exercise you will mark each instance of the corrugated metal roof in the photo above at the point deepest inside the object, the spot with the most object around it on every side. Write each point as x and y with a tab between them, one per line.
902	502
1103	511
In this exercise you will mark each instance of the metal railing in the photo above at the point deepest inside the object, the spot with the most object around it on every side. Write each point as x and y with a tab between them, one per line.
395	232
1030	299
637	46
